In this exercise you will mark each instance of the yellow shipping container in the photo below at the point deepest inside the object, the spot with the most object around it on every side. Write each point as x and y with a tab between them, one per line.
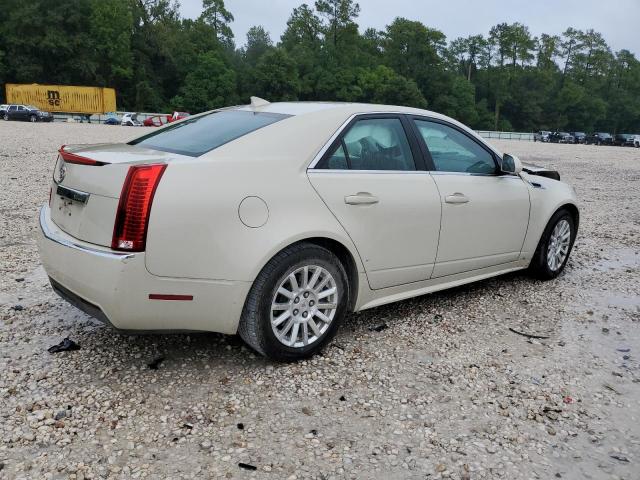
63	98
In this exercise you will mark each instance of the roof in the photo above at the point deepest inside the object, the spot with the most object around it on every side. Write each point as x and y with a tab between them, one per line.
302	108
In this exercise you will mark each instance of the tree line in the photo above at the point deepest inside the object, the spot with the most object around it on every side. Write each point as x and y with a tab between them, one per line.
506	79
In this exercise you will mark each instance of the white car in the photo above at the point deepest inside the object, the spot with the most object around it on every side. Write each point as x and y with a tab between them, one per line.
274	220
130	120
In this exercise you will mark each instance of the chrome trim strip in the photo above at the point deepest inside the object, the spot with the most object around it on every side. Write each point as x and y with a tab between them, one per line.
72	194
470	174
346	170
66	243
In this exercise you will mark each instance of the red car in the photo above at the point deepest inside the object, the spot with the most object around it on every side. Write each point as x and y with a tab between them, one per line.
177	116
156	121
160	120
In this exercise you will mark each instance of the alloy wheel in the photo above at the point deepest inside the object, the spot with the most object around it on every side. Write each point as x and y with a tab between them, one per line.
304	306
559	243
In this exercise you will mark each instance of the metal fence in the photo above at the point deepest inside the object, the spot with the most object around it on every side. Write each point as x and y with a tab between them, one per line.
99	118
506	135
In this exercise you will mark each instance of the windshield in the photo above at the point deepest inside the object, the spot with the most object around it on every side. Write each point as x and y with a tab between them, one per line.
31	107
199	135
606	135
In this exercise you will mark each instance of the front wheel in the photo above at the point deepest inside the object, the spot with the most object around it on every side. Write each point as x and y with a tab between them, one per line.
296	303
555	246
33	119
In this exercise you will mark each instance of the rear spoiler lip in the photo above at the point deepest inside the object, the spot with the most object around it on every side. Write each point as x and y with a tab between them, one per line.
78	159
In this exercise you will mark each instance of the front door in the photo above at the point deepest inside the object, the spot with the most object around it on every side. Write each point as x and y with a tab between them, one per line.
389	208
485	214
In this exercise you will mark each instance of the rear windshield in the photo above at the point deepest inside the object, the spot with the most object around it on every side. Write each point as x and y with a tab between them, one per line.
199	135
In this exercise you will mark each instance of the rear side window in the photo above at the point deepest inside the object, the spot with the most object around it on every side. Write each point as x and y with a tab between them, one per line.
199	135
372	144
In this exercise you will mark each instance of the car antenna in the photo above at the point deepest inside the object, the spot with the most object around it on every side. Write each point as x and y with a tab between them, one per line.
257	102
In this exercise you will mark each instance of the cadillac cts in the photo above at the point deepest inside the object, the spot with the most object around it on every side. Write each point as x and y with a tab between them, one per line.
274	220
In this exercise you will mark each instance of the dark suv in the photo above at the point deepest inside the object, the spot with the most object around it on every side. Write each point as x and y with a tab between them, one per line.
27	113
599	138
560	137
624	140
578	137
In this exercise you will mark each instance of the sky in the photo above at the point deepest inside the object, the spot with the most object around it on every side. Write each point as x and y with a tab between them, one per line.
617	20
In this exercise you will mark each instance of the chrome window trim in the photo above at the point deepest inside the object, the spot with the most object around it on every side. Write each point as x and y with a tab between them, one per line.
66	243
341	128
497	175
377	172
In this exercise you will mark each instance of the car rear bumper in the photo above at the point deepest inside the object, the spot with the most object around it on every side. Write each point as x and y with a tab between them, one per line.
115	287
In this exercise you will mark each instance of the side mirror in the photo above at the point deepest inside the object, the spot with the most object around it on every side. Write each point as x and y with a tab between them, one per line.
511	164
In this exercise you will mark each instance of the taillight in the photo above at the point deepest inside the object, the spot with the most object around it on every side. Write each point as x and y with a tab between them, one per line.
132	218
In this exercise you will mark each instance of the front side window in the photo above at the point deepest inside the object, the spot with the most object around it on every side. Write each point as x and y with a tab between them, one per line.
453	151
199	135
372	144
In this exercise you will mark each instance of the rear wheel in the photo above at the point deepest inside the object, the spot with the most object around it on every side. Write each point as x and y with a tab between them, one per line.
296	303
555	246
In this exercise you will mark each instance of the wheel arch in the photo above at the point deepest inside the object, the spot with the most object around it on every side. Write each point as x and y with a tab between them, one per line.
573	210
340	250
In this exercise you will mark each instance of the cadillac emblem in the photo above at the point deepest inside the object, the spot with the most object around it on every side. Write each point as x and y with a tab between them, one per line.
60	172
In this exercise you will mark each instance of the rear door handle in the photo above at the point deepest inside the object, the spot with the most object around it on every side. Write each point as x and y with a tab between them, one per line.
361	198
456	198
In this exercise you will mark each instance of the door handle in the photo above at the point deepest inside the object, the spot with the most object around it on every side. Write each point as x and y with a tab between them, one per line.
456	198
361	198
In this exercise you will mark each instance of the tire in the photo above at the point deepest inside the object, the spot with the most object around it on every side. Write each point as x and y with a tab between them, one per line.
6	117
255	326
33	118
541	266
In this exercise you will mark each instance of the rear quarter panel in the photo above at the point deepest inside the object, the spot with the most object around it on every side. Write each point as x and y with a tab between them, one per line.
195	229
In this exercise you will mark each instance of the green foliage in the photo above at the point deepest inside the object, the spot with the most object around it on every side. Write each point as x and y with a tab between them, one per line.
277	77
216	15
210	85
156	60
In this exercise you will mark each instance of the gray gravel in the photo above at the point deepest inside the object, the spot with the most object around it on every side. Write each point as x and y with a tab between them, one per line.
446	391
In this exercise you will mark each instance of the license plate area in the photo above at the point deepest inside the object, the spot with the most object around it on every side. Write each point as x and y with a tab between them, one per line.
71	195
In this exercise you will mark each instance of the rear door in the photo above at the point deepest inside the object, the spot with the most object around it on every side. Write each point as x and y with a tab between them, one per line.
23	113
485	214
373	180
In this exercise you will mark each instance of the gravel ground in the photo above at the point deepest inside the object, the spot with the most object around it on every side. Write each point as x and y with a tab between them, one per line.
445	391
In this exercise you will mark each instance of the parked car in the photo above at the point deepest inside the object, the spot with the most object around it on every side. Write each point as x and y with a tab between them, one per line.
156	121
561	137
3	110
130	120
27	113
112	119
177	116
541	136
624	140
274	220
599	138
578	137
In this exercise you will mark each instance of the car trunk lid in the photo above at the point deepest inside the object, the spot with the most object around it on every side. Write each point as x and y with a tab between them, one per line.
87	184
